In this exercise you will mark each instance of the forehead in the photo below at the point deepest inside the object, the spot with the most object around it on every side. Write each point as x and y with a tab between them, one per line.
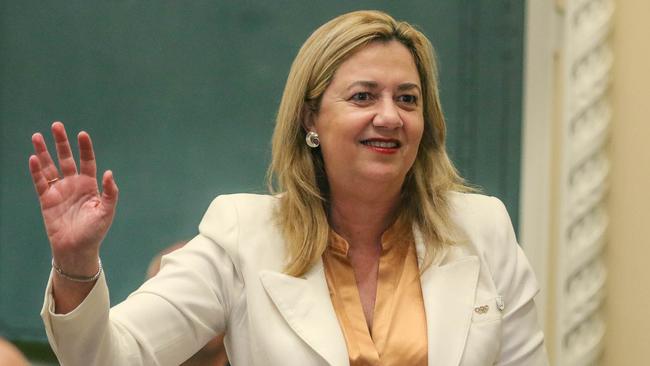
379	61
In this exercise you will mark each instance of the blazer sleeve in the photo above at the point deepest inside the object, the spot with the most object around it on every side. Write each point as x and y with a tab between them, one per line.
522	338
169	317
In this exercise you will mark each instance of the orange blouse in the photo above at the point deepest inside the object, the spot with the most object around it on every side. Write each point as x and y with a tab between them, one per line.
399	329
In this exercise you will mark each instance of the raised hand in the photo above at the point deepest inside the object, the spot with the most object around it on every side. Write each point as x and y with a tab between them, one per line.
76	215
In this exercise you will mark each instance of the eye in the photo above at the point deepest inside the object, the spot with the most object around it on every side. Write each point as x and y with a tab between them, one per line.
408	99
361	97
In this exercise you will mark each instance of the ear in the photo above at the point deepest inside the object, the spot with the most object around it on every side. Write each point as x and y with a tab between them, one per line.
308	118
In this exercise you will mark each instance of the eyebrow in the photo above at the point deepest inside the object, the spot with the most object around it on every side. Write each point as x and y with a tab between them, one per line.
364	83
374	85
408	86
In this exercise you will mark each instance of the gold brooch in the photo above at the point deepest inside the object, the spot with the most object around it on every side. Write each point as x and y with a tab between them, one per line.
481	309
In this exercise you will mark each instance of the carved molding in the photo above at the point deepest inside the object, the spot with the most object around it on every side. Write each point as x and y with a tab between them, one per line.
587	59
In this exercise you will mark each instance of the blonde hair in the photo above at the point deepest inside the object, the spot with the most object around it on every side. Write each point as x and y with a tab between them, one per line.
296	171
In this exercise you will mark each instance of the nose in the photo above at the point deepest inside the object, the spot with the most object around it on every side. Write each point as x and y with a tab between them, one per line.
387	115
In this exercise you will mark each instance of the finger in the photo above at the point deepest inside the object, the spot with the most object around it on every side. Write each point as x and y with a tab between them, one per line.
87	164
109	187
46	163
39	180
63	151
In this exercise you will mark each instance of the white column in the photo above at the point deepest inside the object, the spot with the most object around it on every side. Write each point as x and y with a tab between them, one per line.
566	167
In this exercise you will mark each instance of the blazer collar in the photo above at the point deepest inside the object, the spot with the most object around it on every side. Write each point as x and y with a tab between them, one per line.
306	306
448	290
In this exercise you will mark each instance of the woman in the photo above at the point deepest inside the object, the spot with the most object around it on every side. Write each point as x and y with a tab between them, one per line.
367	255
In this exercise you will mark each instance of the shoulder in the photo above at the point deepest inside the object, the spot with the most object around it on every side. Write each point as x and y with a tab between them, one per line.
476	207
482	223
233	209
243	200
479	217
242	224
486	231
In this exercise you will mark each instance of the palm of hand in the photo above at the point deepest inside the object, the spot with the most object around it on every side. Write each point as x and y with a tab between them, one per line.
76	215
73	213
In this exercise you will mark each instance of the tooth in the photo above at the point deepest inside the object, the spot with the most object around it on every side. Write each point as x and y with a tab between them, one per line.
382	144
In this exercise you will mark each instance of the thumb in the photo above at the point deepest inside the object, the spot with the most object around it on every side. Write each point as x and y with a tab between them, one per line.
109	187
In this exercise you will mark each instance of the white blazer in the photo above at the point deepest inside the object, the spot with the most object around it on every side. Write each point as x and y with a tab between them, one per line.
478	298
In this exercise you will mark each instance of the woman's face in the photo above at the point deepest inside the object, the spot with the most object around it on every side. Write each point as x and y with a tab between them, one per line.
370	120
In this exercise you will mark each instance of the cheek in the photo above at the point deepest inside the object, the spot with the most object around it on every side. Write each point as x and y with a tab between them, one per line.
416	131
341	134
415	139
418	135
336	152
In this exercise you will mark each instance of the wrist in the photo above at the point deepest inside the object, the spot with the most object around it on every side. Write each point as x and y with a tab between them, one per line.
78	275
77	261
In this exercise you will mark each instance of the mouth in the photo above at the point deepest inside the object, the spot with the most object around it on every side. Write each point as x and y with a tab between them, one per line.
382	143
382	146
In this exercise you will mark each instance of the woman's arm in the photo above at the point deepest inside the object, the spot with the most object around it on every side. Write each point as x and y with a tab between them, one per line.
164	322
76	215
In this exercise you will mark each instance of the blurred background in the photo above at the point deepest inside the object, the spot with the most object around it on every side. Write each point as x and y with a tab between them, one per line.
544	102
585	173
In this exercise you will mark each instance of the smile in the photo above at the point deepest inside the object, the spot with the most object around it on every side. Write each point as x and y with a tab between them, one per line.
381	144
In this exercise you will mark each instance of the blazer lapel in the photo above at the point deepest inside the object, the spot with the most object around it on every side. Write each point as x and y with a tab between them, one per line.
448	291
306	306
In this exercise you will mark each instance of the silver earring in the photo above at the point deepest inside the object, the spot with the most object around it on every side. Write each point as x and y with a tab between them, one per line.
312	139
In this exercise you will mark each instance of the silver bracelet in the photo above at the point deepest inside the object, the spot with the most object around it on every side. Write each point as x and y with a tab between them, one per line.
73	278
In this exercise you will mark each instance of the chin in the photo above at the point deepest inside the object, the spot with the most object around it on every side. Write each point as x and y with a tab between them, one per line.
385	176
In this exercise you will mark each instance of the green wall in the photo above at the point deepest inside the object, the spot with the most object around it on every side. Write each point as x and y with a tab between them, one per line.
180	98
